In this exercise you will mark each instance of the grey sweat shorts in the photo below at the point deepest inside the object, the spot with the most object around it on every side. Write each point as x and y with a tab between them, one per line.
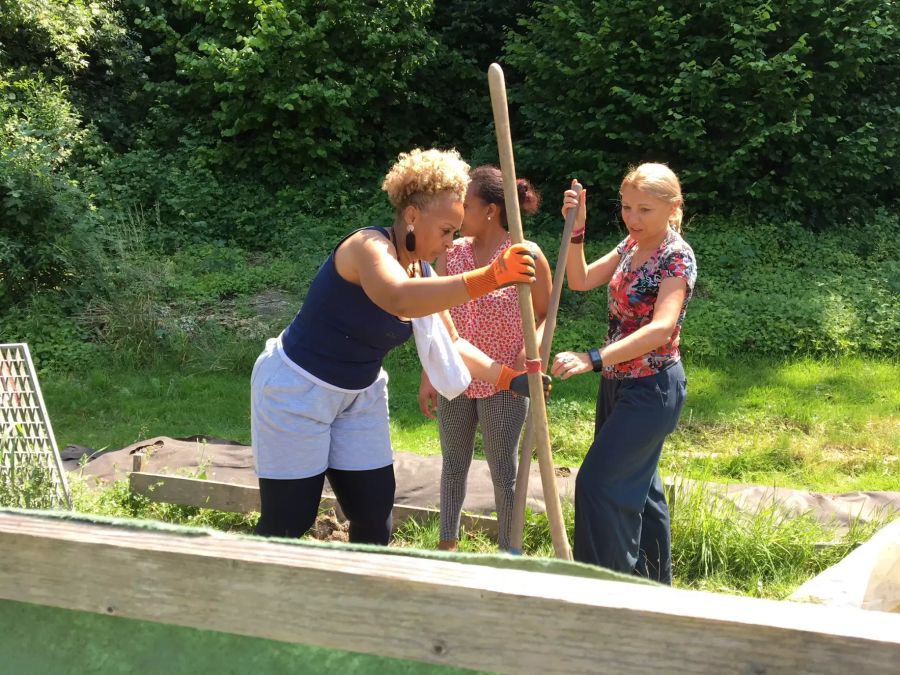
301	426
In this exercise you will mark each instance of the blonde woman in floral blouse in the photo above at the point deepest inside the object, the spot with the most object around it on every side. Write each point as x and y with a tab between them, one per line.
621	516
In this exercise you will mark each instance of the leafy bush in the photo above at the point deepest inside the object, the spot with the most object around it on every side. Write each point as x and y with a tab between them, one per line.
66	70
185	202
790	107
274	88
45	218
88	45
56	340
453	85
189	202
769	287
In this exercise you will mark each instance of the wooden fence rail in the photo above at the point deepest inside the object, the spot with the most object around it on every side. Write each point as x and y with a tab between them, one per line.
428	610
209	494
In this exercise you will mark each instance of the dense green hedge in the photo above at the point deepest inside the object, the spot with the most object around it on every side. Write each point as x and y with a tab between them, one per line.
132	130
789	107
298	90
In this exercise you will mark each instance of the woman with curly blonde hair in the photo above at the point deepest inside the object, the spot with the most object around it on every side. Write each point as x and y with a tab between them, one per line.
319	392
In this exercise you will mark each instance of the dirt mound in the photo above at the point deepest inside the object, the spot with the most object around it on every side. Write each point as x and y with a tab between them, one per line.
329	528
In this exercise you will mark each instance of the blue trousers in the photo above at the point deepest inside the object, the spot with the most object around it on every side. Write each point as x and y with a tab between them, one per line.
621	516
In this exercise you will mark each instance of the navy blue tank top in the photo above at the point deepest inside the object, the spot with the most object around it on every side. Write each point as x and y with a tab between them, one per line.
340	335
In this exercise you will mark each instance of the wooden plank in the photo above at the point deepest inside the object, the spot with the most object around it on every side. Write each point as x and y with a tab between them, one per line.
208	494
527	446
428	610
868	578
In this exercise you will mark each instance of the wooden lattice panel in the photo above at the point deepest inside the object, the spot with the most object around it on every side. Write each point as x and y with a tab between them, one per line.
31	473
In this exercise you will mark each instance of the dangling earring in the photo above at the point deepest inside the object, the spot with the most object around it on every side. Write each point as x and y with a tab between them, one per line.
410	238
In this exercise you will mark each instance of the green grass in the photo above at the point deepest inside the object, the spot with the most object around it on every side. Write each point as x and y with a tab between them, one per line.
117	500
827	425
718	547
109	409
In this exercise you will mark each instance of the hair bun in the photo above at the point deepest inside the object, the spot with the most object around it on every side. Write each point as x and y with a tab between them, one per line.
529	198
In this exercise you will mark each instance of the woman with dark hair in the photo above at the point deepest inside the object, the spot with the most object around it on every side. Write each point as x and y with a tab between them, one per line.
492	323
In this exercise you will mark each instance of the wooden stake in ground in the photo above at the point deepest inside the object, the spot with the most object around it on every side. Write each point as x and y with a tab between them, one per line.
527	446
538	407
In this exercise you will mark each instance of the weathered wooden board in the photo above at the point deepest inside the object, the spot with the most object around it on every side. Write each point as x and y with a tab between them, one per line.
234	498
868	578
428	610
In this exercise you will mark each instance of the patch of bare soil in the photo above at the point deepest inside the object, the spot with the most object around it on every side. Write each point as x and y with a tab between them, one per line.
273	303
328	528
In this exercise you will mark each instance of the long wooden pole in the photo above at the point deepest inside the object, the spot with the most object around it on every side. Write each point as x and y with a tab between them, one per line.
527	446
538	406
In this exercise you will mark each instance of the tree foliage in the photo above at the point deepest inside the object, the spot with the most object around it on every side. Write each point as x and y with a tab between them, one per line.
276	88
45	217
792	107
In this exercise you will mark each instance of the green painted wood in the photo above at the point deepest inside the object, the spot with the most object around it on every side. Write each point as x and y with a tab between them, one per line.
37	640
498	560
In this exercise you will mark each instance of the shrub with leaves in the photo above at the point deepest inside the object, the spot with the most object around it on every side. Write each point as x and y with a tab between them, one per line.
791	107
275	88
44	216
60	62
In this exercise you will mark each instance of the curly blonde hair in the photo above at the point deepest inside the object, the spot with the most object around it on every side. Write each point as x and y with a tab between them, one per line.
419	175
661	182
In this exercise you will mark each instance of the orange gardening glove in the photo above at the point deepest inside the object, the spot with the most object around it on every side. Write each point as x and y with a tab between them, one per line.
514	266
517	381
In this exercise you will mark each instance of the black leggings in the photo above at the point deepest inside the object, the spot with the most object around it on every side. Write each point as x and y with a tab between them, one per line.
289	507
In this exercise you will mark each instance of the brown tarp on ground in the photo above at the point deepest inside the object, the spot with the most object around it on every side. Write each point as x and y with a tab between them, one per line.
418	479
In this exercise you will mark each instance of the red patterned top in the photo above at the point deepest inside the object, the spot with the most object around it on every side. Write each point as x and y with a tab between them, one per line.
492	322
632	298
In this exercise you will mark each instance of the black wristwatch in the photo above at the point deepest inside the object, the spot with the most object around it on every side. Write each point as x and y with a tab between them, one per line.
596	359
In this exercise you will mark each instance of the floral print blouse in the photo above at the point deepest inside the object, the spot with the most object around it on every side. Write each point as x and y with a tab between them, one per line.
492	322
632	297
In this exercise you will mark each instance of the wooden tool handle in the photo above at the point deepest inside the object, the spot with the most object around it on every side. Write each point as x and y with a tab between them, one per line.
538	407
517	534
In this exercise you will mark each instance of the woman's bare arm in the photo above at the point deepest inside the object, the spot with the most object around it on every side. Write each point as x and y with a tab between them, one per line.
580	275
366	259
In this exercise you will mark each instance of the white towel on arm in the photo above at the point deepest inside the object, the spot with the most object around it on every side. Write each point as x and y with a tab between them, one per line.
440	360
